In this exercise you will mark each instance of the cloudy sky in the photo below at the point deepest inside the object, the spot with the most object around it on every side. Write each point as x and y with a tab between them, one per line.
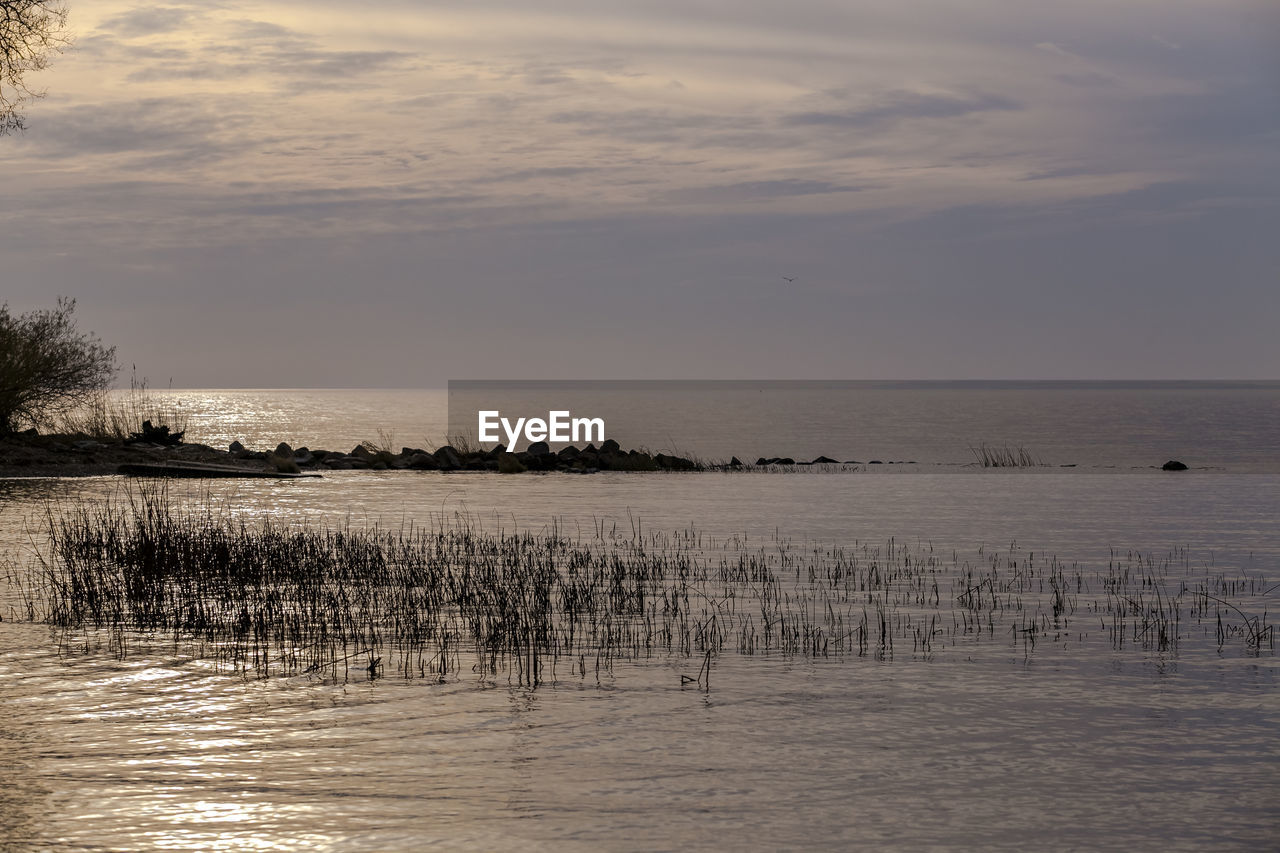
334	194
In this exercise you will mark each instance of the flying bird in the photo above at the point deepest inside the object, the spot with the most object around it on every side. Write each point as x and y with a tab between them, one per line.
788	280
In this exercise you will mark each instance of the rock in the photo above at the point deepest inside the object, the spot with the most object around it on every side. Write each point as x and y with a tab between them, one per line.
283	464
509	464
538	448
610	446
30	433
283	449
423	462
735	462
545	462
875	462
1173	465
670	463
569	453
824	460
362	453
235	447
448	458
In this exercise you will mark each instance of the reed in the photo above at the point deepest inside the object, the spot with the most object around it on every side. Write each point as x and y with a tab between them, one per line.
989	456
115	415
437	600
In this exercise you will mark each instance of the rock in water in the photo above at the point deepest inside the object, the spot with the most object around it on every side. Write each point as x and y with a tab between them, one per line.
1173	465
423	462
448	458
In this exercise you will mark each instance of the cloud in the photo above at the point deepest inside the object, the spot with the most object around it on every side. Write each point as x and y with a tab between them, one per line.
748	191
1087	79
1056	49
144	126
552	172
903	106
425	135
137	23
295	63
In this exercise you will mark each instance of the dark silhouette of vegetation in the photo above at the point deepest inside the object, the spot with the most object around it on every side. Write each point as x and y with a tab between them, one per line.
151	434
31	31
47	366
448	597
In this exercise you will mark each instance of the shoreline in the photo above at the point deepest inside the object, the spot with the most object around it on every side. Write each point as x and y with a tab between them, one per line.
32	455
74	455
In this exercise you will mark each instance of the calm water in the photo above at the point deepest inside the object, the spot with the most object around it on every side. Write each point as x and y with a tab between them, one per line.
1103	426
981	745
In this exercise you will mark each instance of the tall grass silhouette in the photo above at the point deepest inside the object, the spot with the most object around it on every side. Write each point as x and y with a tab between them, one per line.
440	600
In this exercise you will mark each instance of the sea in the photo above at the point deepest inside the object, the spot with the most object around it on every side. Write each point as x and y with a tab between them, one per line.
1077	741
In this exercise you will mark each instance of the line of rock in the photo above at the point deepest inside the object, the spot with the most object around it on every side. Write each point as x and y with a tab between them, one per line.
609	456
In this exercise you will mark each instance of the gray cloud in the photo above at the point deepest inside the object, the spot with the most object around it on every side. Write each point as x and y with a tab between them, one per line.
650	125
1231	114
747	191
901	106
388	181
1087	79
146	126
282	56
370	207
149	21
552	172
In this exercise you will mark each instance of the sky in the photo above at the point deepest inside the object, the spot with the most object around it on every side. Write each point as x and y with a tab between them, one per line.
312	194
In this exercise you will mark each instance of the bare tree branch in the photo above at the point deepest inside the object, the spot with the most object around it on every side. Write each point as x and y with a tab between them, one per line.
31	32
